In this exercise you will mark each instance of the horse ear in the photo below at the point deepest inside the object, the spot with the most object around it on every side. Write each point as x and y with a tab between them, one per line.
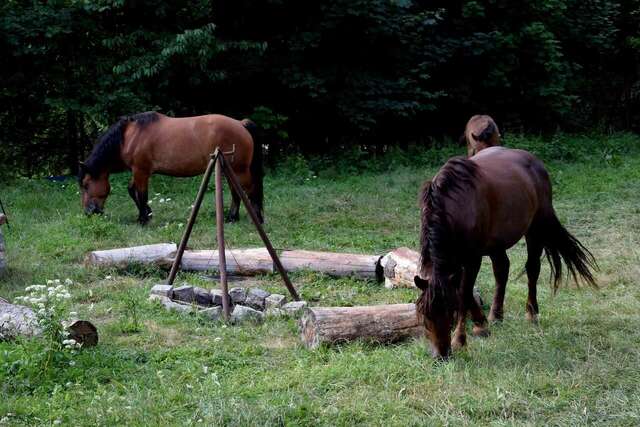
420	283
474	136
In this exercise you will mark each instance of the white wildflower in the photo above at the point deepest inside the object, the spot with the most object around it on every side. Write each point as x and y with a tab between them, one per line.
108	278
68	282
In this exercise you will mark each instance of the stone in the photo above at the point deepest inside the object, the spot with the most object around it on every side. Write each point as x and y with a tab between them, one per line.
202	296
274	301
216	296
172	305
184	293
212	313
255	298
275	312
241	313
294	307
161	289
238	295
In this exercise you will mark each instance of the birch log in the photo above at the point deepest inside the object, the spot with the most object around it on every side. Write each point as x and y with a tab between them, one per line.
399	267
378	323
244	262
144	254
334	264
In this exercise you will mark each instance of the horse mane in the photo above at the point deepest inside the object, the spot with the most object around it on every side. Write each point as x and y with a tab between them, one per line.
487	132
107	150
438	240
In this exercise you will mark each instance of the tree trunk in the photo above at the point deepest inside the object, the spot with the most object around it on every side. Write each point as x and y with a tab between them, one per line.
122	256
378	323
244	262
334	264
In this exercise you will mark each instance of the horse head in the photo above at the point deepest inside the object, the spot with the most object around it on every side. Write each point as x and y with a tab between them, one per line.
94	189
435	310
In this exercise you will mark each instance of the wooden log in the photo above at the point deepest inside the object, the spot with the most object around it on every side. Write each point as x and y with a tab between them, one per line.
399	268
243	262
144	254
3	218
378	323
334	264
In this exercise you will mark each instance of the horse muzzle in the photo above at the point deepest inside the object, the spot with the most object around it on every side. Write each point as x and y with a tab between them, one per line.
93	208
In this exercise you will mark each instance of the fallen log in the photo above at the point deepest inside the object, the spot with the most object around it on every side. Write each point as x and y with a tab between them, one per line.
334	264
378	323
243	262
399	268
122	256
17	320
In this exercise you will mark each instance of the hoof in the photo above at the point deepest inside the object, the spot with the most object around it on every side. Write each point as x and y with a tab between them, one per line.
495	317
532	317
231	219
481	331
458	342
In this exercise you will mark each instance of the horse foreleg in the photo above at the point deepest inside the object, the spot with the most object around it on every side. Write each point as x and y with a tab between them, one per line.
534	252
140	189
475	310
460	333
500	263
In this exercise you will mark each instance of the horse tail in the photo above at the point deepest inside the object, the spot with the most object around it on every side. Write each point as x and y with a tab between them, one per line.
559	245
257	165
487	133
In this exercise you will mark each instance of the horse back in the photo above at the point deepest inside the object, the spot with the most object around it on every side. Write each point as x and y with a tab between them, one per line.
182	146
513	187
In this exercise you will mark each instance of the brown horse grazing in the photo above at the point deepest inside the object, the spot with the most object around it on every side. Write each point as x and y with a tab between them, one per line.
481	132
482	206
151	142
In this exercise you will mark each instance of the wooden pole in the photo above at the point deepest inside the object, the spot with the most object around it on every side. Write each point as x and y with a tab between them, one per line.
218	157
233	180
191	221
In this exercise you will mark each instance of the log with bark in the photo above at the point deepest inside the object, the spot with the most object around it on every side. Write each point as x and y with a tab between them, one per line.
399	267
377	323
122	256
243	262
334	264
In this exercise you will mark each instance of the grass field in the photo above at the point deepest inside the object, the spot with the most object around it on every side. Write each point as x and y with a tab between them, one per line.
579	366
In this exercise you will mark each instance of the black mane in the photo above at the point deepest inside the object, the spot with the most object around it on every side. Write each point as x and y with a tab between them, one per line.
107	151
438	242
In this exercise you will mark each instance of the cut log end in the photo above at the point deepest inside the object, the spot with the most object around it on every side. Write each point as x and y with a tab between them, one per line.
84	333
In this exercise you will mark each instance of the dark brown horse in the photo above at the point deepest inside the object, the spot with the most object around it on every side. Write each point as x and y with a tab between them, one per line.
483	206
481	132
151	142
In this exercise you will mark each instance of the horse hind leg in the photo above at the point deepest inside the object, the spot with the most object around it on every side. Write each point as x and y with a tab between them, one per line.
234	211
534	252
500	263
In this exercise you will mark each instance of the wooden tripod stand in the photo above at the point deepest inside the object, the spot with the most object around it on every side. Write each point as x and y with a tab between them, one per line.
218	162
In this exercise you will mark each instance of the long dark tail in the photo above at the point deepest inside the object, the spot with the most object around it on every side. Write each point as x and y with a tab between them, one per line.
257	166
560	245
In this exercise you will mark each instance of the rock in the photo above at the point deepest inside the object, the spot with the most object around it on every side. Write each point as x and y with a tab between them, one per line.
172	305
255	298
274	301
202	296
216	296
17	320
184	293
212	313
242	313
275	312
238	295
294	307
161	289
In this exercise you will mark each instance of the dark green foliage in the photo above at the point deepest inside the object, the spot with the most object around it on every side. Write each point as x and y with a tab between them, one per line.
319	77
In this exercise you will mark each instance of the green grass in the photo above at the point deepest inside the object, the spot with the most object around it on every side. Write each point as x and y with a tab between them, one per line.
578	366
